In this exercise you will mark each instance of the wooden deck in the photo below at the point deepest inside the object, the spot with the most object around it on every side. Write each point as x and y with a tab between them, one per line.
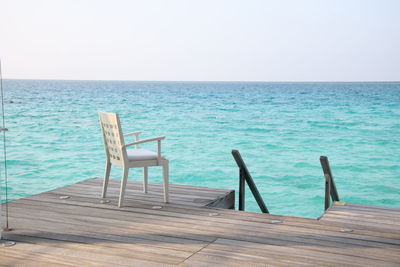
82	231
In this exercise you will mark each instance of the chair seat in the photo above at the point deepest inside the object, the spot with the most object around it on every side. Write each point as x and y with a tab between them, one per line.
141	154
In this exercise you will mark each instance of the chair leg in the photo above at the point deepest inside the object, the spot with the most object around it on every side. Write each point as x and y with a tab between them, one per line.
166	178
145	179
106	177
125	172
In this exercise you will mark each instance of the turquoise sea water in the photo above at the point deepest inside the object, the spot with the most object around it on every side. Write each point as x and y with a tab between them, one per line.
281	129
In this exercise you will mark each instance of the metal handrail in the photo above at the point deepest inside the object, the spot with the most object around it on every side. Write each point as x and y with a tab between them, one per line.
330	187
244	176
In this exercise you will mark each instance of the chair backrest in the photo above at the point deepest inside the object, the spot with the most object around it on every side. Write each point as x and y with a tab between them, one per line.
112	137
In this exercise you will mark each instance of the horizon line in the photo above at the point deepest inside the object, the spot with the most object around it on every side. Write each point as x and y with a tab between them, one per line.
222	81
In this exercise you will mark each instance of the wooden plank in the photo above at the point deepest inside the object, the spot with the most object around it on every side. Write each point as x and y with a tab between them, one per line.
138	188
267	257
178	187
76	256
342	233
219	222
360	216
397	210
244	259
185	218
13	258
354	221
366	212
132	194
128	251
207	260
82	230
138	194
295	253
139	246
310	242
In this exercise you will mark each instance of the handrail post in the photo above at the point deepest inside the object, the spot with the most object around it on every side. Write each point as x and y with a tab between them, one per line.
242	189
244	175
327	192
330	187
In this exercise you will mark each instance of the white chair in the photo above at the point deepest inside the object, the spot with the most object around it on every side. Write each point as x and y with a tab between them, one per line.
118	154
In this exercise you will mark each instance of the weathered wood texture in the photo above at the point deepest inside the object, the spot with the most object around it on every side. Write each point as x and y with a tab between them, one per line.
82	231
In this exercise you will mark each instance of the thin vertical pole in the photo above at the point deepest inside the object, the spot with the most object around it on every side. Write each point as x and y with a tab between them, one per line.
4	129
327	192
242	188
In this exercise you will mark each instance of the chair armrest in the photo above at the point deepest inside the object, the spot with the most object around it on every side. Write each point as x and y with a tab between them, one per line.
133	133
158	139
145	141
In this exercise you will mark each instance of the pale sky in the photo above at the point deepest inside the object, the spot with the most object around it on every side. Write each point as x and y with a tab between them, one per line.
202	40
